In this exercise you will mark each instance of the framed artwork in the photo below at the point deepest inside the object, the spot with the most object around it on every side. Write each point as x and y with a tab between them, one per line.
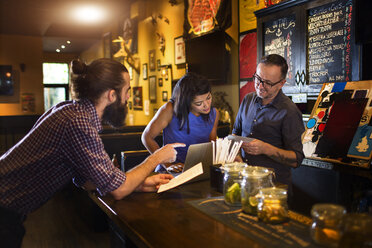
152	89
165	96
152	64
144	71
245	87
158	65
247	54
137	98
339	128
179	51
107	51
160	81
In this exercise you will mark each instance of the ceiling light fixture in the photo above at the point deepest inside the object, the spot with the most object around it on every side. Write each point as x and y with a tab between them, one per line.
63	46
57	50
68	42
89	14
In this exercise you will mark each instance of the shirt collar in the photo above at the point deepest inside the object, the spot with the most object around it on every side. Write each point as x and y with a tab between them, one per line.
91	110
276	102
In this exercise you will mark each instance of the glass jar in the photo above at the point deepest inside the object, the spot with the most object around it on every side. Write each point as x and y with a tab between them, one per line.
272	205
231	183
254	179
326	225
356	229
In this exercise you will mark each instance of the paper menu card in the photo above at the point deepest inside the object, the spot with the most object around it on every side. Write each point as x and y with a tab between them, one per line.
194	171
239	138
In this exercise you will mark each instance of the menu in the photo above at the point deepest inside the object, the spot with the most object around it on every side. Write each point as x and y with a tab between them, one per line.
278	38
329	42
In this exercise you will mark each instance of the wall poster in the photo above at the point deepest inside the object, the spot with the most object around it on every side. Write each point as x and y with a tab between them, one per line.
340	126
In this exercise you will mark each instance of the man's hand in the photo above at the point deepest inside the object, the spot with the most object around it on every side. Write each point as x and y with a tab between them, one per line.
152	183
167	154
255	147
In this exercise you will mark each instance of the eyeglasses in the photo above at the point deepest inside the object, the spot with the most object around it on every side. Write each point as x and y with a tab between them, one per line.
265	83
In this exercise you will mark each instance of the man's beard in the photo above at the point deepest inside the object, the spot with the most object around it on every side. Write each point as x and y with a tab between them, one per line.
115	114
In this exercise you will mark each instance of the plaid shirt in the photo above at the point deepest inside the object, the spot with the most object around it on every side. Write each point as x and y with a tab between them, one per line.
63	144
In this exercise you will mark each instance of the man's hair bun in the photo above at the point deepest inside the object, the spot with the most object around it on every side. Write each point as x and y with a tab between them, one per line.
78	67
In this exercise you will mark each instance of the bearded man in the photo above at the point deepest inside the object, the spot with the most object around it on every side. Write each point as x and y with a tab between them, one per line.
64	144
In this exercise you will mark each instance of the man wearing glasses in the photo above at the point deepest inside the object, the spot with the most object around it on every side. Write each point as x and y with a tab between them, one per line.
273	120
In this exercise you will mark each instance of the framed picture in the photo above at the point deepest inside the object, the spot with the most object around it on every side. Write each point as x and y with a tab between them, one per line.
160	81
152	88
158	65
152	64
165	96
247	54
107	45
179	51
137	98
144	71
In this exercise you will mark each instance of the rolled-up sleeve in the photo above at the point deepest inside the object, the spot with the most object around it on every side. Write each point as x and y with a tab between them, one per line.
85	151
292	130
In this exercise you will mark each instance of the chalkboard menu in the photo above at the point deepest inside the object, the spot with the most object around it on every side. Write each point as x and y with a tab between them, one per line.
330	42
278	38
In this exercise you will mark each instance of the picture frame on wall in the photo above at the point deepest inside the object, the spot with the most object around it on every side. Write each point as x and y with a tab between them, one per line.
158	64
160	82
144	71
247	54
152	65
164	96
179	51
107	50
137	98
152	89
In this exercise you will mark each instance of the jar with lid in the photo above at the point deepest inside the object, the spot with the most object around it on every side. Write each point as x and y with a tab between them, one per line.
272	205
356	229
326	226
254	179
231	183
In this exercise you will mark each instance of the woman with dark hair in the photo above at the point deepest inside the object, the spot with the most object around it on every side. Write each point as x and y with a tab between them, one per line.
188	118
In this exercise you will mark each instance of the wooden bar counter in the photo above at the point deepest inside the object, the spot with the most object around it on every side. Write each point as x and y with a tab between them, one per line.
168	220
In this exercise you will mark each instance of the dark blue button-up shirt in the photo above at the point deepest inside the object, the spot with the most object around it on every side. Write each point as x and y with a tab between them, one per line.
278	123
63	144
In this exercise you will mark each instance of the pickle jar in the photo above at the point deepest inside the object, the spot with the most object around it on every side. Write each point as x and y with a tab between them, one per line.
326	226
272	205
254	179
231	183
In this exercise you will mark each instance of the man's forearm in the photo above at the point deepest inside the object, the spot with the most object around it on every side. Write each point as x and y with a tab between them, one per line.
282	156
135	177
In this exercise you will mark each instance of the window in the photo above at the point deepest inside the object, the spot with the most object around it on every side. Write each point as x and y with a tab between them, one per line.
55	80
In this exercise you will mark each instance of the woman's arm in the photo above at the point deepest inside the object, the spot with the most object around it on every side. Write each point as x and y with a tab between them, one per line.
213	134
160	121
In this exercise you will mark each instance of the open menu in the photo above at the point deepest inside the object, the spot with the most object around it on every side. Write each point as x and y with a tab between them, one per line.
194	171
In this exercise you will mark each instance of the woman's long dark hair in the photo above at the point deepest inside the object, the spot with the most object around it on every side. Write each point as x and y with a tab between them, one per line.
186	89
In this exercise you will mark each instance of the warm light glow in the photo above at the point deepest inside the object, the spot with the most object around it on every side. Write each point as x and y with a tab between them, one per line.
68	42
63	46
89	14
57	50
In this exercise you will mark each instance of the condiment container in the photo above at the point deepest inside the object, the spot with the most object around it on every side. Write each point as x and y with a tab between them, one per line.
254	179
272	205
356	230
326	226
231	183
